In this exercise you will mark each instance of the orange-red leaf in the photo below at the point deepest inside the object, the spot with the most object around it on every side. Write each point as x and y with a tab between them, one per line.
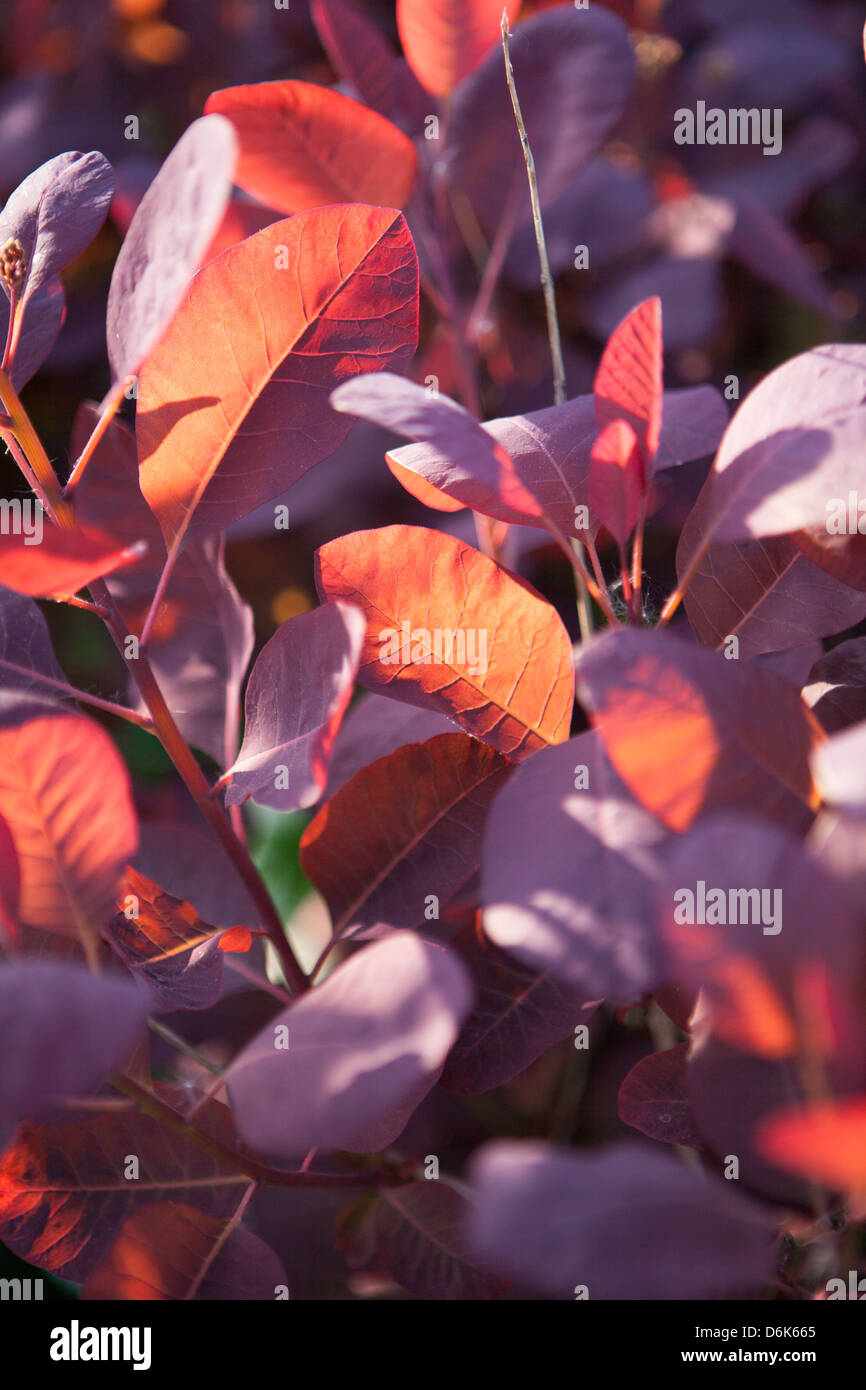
62	563
826	1143
451	630
689	732
409	820
303	146
233	405
617	480
628	384
64	793
445	40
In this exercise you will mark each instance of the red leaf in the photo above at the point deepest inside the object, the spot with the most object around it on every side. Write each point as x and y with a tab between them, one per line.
826	1143
628	384
617	480
409	823
336	291
304	146
166	943
236	939
64	1192
689	732
172	1251
449	629
445	40
74	831
654	1098
63	562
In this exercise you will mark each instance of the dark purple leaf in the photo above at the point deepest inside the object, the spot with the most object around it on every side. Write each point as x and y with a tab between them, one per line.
836	689
574	71
25	646
654	1098
418	1234
42	323
518	1014
475	469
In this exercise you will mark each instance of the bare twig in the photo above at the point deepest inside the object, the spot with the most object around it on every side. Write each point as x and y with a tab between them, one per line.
559	387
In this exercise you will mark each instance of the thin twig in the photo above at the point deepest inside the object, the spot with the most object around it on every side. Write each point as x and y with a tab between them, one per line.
109	409
559	386
84	696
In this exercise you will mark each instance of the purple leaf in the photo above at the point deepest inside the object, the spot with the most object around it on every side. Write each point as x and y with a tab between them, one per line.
188	864
172	228
475	470
603	208
25	646
839	769
654	1098
552	450
374	727
418	1233
570	861
555	1221
690	289
836	689
794	445
203	638
54	214
61	1031
518	1014
737	909
574	72
364	58
361	1052
297	693
42	323
766	593
765	246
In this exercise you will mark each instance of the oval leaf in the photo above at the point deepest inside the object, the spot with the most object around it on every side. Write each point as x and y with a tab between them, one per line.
451	630
336	292
303	146
360	1052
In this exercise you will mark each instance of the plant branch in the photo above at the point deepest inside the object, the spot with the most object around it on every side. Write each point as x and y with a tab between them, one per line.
197	785
150	1104
22	428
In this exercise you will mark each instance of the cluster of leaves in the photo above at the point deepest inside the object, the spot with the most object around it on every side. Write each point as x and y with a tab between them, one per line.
498	840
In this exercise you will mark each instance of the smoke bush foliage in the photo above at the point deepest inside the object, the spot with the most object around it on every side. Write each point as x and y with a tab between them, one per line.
556	793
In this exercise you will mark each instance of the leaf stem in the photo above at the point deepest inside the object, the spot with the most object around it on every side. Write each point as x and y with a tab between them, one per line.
109	707
20	425
110	407
150	1104
197	785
